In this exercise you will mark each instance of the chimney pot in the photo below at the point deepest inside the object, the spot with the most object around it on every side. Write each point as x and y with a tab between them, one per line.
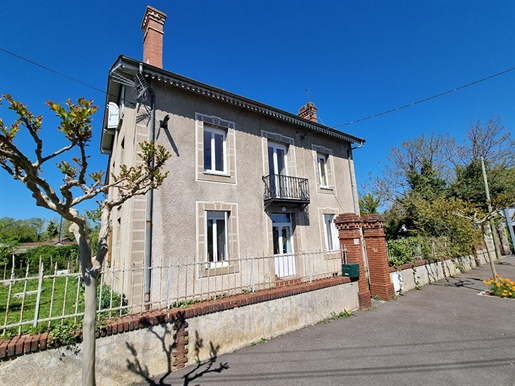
309	112
153	31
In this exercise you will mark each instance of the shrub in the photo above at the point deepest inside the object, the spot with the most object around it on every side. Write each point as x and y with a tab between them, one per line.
50	256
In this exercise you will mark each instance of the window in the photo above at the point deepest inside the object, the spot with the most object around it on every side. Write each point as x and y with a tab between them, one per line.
216	236
214	150
331	233
322	170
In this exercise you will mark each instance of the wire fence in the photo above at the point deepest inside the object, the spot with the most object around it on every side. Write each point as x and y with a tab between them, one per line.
37	301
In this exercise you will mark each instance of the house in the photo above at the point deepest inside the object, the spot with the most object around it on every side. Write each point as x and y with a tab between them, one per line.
245	180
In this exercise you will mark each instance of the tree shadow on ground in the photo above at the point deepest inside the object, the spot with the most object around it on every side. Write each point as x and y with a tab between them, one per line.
454	281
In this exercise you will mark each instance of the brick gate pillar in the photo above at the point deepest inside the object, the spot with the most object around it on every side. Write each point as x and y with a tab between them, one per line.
373	231
349	233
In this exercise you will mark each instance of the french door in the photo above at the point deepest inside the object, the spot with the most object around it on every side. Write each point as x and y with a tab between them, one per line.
282	231
277	167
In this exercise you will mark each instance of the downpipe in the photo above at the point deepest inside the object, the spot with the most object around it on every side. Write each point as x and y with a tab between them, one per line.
149	208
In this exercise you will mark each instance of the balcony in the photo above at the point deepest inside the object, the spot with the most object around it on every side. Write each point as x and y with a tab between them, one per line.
286	189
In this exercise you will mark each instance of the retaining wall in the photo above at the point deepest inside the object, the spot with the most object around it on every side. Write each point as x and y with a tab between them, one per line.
408	276
162	341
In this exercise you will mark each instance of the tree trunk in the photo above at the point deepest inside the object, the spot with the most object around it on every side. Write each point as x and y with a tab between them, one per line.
89	272
88	328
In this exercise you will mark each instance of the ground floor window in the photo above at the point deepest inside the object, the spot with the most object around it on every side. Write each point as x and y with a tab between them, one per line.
330	233
216	236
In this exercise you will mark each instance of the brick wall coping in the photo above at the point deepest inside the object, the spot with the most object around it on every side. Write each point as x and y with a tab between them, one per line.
26	344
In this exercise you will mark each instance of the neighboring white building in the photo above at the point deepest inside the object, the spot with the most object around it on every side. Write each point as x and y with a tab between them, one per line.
245	179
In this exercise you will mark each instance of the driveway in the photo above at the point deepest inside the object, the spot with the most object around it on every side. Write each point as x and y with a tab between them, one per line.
443	334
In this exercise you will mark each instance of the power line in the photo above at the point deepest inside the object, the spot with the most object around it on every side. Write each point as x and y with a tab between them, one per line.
49	69
425	99
334	127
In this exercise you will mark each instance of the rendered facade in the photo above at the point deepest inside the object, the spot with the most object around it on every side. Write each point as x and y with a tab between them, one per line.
245	179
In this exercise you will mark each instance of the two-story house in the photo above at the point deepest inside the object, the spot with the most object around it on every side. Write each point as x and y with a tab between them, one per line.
246	181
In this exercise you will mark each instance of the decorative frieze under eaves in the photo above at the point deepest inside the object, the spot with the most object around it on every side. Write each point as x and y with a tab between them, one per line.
238	102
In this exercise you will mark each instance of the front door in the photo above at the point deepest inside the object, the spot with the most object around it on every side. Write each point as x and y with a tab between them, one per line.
277	167
282	232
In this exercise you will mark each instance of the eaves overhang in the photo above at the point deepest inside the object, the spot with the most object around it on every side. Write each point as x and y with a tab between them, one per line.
128	66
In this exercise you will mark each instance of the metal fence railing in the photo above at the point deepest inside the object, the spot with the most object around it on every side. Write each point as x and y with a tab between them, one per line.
39	300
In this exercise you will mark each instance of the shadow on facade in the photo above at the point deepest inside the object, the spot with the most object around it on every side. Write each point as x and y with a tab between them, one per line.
174	350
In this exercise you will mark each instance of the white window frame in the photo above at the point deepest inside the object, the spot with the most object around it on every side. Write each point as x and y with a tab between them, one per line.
322	160
217	215
330	232
275	148
214	149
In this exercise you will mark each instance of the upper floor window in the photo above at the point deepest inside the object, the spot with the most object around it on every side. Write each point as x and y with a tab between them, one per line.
215	150
322	170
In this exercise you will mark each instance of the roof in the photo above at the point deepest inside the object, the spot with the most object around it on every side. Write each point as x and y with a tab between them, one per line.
125	69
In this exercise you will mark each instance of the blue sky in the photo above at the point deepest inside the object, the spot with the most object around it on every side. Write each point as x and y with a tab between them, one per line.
356	58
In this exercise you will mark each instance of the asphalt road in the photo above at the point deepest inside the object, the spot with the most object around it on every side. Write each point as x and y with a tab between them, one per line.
443	334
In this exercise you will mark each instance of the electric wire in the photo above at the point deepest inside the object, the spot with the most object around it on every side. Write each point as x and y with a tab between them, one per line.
334	127
425	99
49	69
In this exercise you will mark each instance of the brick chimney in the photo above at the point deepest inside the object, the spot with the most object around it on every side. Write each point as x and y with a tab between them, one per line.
153	32
309	112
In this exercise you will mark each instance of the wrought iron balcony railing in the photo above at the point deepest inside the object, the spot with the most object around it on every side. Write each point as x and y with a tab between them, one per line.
286	189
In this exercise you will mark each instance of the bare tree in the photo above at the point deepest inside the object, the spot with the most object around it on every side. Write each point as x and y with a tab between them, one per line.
492	141
78	186
438	151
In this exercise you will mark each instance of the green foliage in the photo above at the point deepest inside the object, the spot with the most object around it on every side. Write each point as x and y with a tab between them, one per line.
6	250
337	315
407	250
21	231
501	287
107	298
426	183
184	303
65	256
400	252
66	334
436	190
52	230
368	204
65	297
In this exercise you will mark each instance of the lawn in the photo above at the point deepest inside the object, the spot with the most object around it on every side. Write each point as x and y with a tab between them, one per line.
61	297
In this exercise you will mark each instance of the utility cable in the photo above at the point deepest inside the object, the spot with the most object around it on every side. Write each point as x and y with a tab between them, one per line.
49	69
334	127
425	99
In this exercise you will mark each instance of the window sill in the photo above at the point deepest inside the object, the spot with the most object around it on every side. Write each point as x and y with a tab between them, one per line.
215	173
211	269
210	176
216	264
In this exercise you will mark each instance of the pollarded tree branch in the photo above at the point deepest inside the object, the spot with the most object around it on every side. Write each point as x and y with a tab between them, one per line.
75	124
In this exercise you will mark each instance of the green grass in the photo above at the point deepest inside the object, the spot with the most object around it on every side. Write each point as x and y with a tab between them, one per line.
62	297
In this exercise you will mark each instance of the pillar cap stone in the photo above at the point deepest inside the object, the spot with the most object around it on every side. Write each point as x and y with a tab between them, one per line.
373	220
348	221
